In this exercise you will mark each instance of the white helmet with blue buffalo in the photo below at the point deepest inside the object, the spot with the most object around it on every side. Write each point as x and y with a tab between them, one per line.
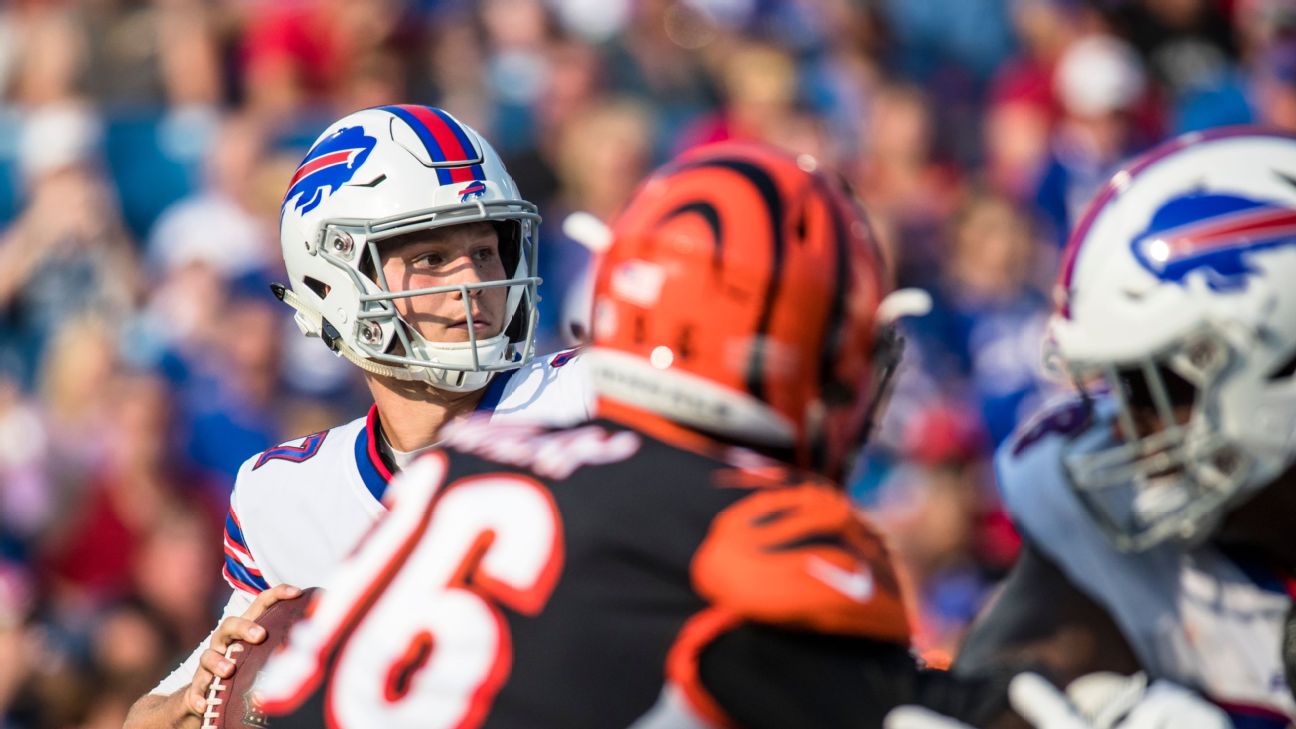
385	172
1177	300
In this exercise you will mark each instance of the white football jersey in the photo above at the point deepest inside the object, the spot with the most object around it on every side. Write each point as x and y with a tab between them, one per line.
1192	616
297	509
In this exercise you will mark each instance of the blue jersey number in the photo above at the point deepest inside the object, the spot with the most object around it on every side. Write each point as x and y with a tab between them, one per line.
309	447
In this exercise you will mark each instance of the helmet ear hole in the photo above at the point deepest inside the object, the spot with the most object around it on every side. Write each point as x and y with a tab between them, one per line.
516	329
1285	371
510	245
368	264
317	286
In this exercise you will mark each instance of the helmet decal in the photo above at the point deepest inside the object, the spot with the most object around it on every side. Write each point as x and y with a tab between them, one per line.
448	145
1212	233
329	165
472	191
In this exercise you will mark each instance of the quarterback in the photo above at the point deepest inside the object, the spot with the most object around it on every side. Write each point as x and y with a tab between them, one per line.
410	253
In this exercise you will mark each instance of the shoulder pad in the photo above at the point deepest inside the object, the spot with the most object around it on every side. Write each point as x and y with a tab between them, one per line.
552	390
1031	478
804	557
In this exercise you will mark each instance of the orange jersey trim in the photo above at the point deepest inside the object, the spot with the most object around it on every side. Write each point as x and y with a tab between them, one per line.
657	427
682	668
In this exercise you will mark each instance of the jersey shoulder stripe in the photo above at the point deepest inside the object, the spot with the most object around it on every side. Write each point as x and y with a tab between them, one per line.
242	578
235	543
240	568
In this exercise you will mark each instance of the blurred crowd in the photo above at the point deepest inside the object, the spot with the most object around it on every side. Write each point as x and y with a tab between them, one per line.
145	146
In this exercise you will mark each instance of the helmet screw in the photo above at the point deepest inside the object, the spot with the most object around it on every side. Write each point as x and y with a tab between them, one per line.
343	244
1226	460
371	333
1201	354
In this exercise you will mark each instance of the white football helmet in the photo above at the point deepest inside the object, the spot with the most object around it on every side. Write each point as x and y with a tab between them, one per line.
384	172
1177	299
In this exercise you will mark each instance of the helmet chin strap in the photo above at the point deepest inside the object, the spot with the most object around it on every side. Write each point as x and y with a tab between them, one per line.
312	324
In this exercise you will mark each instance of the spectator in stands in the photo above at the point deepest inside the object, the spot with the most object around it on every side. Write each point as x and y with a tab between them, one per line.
130	492
219	225
995	287
1274	92
1101	84
932	507
152	54
600	157
302	54
759	86
67	253
182	543
1022	107
27	493
907	190
17	598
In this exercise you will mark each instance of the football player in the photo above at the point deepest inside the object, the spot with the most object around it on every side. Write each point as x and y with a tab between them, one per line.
685	559
410	253
1159	507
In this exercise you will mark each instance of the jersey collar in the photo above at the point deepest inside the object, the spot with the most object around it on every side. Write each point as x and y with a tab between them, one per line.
375	470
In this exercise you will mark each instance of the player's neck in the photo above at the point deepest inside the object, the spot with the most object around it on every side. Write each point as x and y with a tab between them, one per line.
412	414
1263	524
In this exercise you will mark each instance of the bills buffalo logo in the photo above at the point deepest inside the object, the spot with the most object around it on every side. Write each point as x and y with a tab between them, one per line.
1213	234
472	191
329	165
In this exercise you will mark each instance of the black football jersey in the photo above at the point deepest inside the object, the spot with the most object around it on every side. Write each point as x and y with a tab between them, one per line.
602	576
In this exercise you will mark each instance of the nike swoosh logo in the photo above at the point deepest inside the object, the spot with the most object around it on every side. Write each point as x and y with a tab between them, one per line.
856	584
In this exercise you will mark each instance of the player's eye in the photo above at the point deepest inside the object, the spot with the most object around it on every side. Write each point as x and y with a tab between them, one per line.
484	254
430	259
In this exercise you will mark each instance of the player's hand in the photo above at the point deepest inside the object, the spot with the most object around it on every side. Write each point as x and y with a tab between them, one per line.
918	717
1170	705
213	662
1107	701
1101	701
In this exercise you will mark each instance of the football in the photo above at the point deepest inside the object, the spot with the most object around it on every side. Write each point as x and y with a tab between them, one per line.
229	702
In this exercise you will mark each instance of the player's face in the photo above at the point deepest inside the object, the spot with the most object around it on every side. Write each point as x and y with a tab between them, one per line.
458	254
1147	419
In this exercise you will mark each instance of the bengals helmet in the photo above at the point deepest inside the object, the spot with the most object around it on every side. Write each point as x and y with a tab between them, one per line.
739	297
